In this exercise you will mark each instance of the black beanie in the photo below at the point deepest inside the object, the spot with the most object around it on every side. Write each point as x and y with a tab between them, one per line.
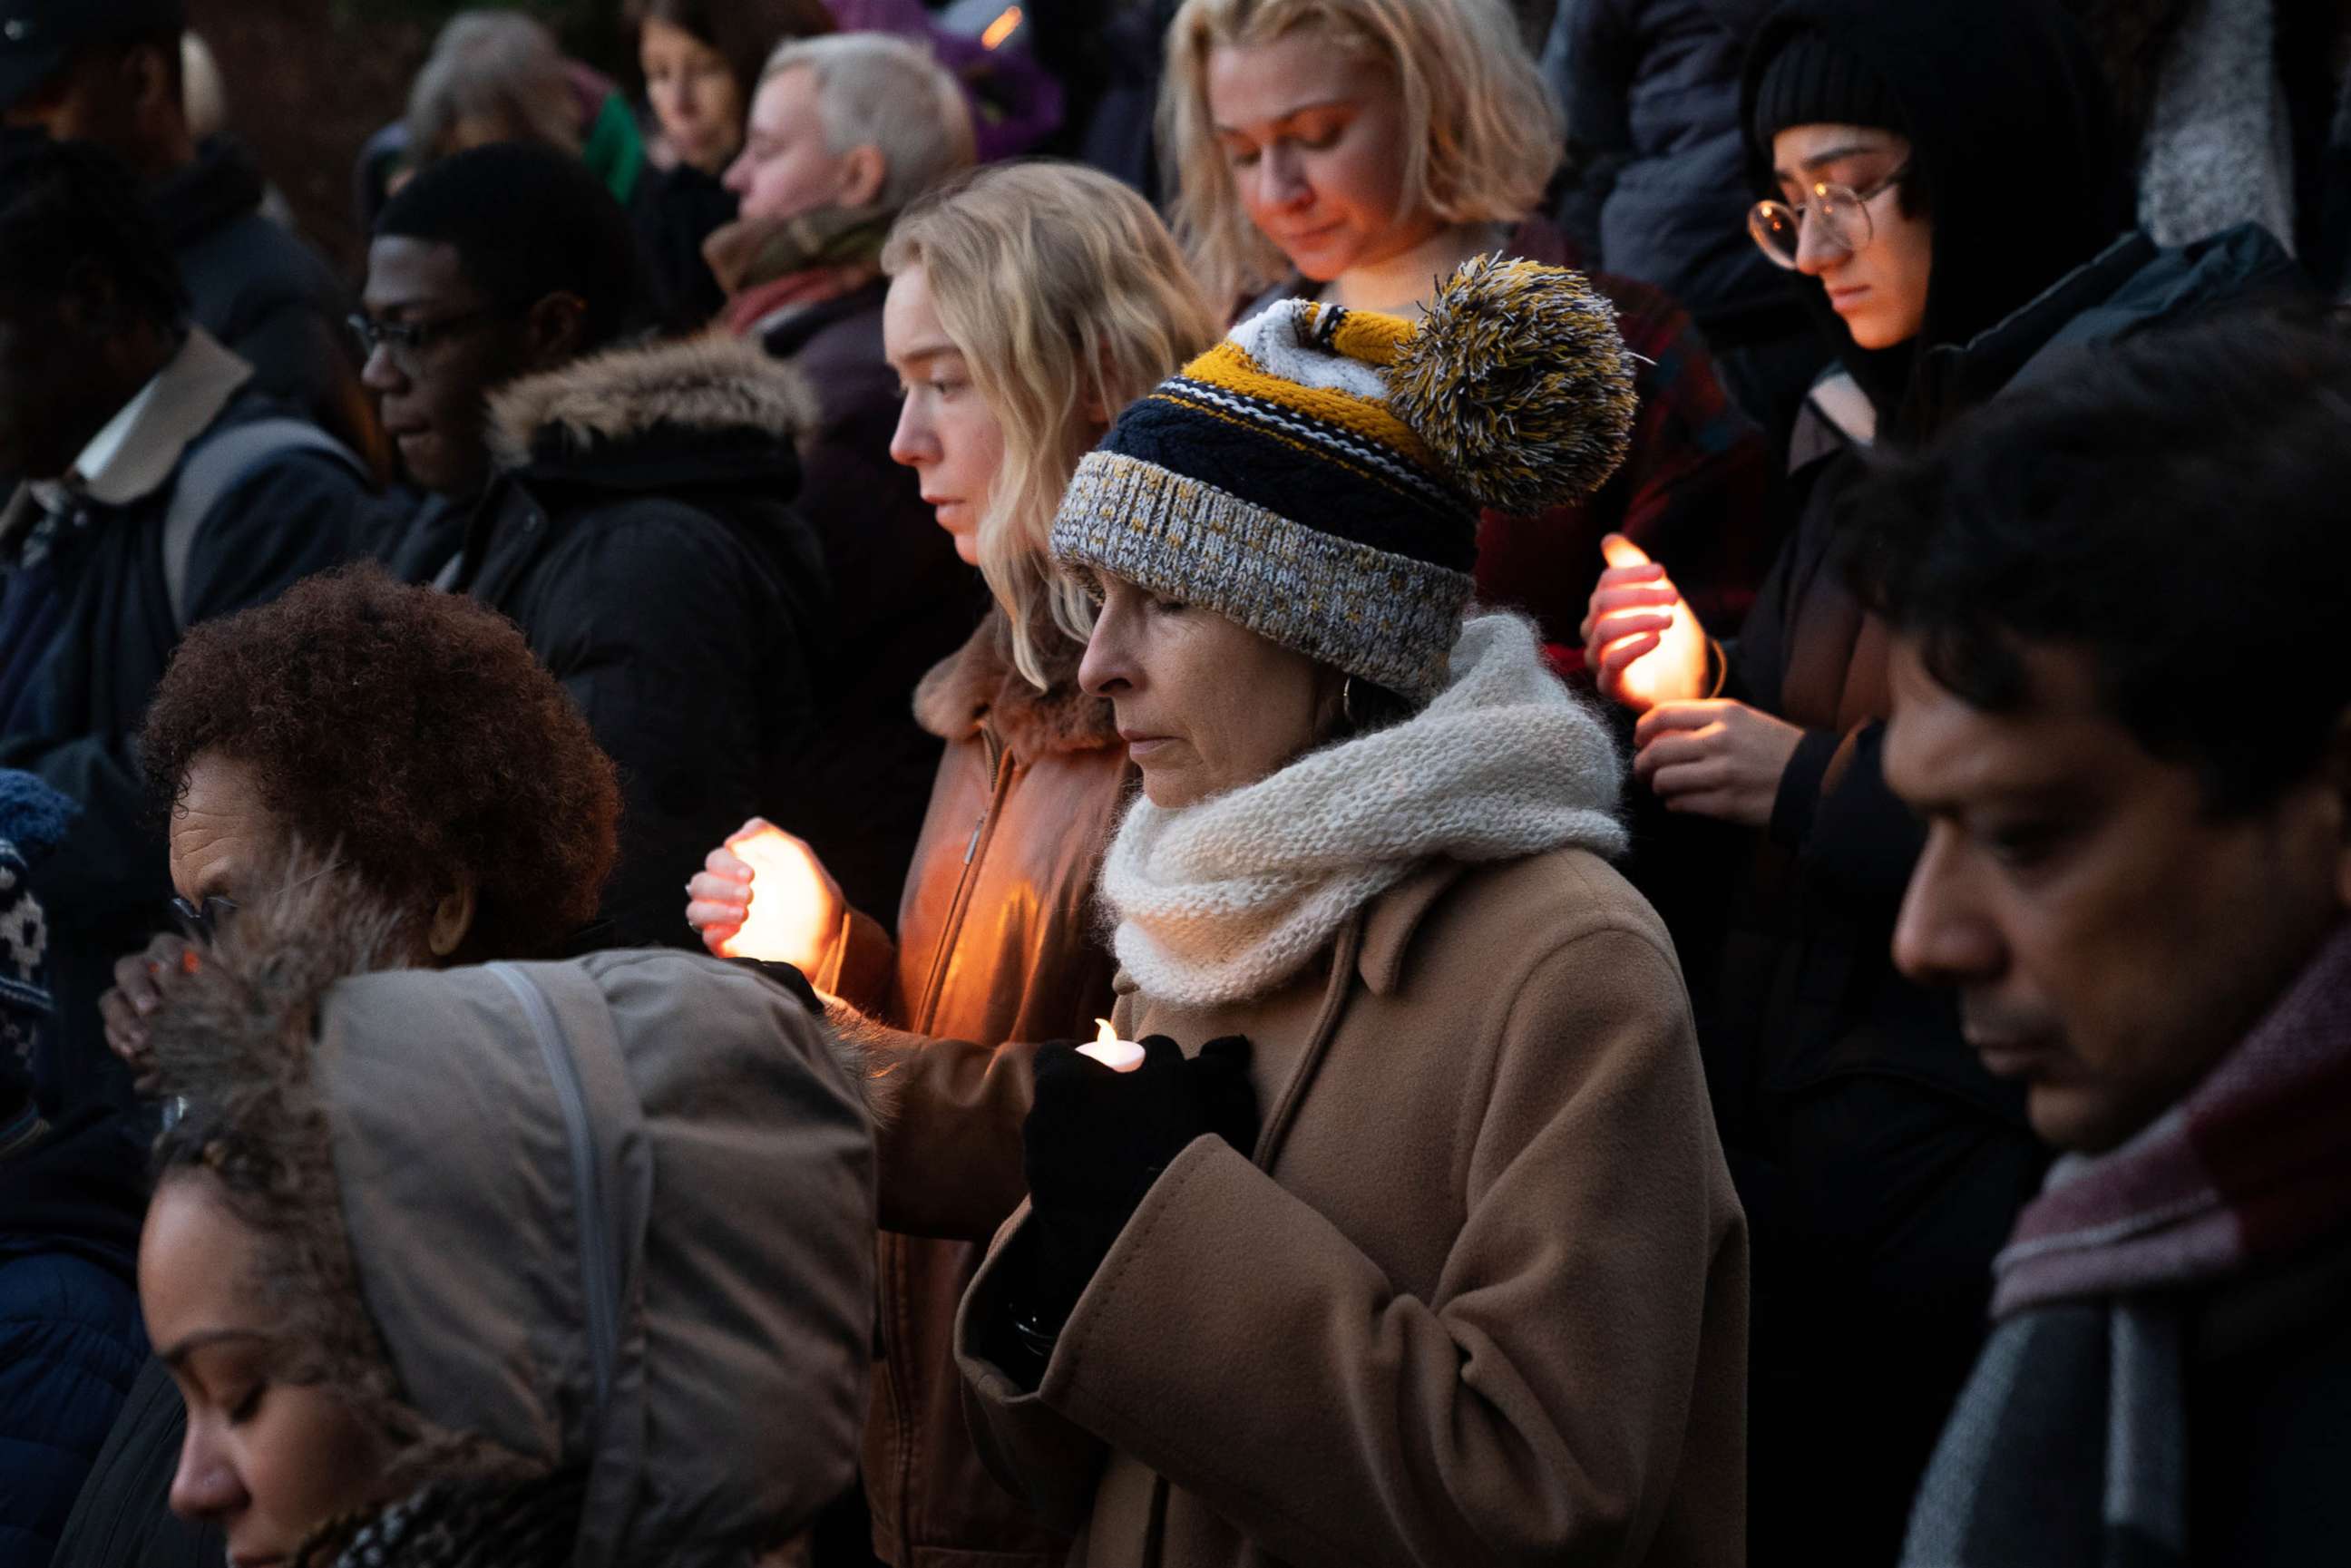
1813	81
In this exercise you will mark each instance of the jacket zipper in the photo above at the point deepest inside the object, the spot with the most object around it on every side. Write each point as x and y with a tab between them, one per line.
600	1282
999	764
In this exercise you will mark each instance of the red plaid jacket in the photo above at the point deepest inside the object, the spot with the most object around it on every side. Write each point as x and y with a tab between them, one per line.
1694	490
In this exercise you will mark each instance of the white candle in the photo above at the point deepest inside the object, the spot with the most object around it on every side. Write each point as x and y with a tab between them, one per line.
1118	1055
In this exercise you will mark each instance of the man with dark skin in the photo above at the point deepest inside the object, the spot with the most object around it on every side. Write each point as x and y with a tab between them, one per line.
2120	705
164	490
446	350
109	72
630	507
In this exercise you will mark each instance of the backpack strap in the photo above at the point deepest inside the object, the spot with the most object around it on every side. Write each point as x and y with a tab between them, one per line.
217	464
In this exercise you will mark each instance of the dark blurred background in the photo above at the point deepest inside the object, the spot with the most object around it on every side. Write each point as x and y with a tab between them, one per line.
310	80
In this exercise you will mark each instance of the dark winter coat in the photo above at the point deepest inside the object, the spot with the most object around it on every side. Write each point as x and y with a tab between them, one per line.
640	529
1661	189
70	1340
266	295
674	211
123	1517
1881	1163
902	600
88	630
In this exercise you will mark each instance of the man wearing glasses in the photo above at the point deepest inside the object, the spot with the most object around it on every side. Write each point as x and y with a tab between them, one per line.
629	507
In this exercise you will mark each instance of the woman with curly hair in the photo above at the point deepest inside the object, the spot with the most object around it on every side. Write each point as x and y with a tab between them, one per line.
409	732
410	736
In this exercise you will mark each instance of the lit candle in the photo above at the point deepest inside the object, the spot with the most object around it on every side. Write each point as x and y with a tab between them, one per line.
786	923
1676	667
1118	1055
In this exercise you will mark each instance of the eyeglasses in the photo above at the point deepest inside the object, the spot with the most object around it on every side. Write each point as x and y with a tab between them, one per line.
201	922
406	342
1842	212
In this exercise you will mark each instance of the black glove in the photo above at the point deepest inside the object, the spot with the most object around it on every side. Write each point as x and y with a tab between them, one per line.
1095	1140
789	977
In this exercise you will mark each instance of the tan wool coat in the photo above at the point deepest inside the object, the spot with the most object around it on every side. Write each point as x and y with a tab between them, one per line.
1478	1295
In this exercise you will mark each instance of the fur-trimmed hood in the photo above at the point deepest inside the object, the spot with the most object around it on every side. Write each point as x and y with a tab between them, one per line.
979	686
706	387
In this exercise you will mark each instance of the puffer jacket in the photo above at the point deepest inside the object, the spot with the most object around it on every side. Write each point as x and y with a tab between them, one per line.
640	531
1652	95
71	1341
98	628
996	942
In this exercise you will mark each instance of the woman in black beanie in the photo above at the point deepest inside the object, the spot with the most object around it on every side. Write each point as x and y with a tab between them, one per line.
1944	182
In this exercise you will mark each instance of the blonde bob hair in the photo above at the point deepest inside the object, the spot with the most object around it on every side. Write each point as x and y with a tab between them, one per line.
1494	131
1068	299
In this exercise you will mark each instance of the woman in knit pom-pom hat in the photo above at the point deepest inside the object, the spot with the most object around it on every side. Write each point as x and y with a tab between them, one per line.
1409	1239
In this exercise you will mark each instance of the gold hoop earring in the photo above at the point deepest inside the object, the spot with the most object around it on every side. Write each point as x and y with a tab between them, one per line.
1347	701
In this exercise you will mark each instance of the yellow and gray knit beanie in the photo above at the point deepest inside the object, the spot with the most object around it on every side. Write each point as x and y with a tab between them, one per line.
1318	476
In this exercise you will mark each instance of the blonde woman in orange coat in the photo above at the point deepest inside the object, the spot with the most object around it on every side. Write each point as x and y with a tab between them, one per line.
1028	304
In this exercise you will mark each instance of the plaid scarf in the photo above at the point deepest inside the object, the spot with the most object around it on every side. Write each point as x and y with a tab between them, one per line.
771	266
2069	1445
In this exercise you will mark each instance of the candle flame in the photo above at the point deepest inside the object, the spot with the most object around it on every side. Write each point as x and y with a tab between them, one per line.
1003	27
1108	1035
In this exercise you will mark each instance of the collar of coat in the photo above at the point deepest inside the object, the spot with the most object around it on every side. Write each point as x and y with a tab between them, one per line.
190	392
701	386
979	687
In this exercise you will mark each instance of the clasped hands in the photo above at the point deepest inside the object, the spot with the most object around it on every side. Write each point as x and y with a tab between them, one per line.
1701	755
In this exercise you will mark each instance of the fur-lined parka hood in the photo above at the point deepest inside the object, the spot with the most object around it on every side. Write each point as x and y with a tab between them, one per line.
708	388
979	687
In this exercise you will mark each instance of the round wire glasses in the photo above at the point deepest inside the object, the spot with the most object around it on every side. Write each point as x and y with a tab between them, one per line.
1842	212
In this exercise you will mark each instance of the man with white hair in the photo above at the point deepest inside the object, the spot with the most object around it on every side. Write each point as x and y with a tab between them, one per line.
845	130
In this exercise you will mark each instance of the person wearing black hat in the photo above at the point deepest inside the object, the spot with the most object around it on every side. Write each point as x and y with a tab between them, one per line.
1955	214
110	71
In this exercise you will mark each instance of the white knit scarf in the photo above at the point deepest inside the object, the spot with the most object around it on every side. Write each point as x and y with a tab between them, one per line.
1224	900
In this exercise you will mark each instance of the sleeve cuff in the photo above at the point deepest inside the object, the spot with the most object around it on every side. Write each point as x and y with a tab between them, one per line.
1800	788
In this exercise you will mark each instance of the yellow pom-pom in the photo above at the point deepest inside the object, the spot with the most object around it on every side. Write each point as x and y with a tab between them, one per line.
1520	383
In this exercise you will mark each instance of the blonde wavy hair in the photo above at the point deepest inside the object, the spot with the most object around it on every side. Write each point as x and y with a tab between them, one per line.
1065	294
1494	132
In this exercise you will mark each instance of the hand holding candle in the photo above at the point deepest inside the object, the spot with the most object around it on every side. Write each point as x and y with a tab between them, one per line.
1118	1055
792	908
1642	643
